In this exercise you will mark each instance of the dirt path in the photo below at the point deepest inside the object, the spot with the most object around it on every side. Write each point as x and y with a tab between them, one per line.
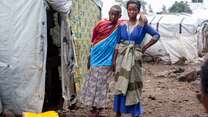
167	97
163	96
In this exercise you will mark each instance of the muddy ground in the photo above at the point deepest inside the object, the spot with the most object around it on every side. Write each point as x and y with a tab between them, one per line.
164	93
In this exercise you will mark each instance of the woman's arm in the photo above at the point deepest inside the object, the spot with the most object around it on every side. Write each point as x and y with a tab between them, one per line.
115	57
149	44
155	37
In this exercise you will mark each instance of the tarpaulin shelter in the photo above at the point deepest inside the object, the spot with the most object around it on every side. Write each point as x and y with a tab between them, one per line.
23	50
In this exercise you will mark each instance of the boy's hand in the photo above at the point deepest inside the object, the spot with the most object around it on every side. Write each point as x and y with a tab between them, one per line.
143	19
114	68
88	62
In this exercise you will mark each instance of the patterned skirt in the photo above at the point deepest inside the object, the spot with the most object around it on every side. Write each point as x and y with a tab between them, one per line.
96	87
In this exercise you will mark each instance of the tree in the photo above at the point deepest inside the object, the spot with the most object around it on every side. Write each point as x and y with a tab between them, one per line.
164	10
150	9
143	6
179	7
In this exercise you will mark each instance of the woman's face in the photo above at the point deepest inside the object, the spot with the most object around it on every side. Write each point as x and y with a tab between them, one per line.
132	10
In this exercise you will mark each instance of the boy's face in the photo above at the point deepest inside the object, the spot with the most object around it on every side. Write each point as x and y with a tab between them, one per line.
114	15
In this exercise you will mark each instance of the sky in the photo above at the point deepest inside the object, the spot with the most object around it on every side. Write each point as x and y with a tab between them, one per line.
158	4
155	4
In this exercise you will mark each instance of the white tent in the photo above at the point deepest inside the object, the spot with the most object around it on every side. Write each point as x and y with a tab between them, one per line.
178	39
202	18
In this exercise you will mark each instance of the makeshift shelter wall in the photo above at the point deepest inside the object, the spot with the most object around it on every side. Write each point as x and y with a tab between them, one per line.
23	46
84	15
202	35
202	32
0	106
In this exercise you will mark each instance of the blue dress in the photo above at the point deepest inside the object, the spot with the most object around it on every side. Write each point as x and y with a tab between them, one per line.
136	35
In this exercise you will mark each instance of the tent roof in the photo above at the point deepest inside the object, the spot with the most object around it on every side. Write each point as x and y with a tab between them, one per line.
172	19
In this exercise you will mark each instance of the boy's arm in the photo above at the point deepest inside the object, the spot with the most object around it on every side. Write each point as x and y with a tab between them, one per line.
143	19
88	61
114	58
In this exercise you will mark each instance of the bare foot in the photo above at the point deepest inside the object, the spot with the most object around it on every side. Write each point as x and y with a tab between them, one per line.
118	114
8	114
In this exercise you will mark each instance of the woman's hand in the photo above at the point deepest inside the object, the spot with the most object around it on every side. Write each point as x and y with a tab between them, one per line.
149	44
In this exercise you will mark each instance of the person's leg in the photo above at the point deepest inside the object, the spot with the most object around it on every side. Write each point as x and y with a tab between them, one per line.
8	114
103	112
204	85
205	102
92	112
118	114
117	107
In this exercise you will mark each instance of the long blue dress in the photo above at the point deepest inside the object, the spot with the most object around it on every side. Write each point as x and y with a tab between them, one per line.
136	35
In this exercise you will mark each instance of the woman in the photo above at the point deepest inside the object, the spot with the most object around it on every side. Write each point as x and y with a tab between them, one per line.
95	88
128	86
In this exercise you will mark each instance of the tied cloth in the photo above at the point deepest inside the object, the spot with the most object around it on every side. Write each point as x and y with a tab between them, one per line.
129	73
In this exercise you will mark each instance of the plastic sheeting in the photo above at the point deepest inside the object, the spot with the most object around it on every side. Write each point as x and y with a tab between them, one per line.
61	5
68	63
22	55
178	37
202	35
23	47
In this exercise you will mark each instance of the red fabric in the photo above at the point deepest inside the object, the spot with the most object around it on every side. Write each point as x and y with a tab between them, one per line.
102	30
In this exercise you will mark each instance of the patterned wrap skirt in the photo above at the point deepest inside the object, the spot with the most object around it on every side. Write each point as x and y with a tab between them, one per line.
96	87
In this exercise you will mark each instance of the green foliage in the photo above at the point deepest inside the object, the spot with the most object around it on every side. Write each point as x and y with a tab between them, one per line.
150	9
179	7
164	10
143	5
